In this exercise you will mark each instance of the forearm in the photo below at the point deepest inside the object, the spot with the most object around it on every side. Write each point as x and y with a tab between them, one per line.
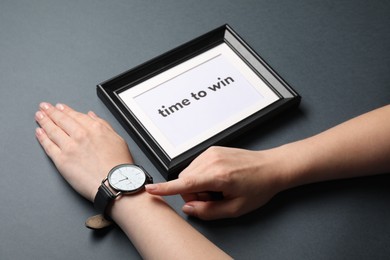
360	146
160	233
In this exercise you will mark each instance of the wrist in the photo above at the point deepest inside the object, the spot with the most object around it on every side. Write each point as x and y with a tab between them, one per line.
293	162
270	174
130	211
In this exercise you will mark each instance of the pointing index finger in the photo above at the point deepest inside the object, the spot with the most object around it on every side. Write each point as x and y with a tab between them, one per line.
166	188
179	186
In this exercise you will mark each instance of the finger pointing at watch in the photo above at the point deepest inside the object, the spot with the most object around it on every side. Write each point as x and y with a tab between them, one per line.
241	176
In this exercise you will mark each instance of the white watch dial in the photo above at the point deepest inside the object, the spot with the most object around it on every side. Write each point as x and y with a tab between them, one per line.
127	178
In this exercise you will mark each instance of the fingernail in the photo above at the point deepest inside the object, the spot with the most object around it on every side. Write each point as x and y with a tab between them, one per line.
44	106
39	115
150	187
60	107
39	131
188	209
92	114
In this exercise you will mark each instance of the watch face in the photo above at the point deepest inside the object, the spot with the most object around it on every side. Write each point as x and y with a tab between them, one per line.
127	178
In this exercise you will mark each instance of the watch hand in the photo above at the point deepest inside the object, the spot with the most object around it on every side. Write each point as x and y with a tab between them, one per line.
121	180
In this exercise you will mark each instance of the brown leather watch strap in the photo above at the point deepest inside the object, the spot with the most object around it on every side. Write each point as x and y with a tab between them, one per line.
97	222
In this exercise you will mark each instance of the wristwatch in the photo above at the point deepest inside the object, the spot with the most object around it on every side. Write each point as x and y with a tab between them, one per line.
123	179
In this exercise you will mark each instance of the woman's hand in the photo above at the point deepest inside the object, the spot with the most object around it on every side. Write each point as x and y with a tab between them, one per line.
247	180
83	147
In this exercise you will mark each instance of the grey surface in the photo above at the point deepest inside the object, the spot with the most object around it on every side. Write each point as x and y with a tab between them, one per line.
335	54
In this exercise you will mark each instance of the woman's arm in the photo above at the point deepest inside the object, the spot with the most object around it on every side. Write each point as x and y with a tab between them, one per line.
358	147
84	148
249	179
158	232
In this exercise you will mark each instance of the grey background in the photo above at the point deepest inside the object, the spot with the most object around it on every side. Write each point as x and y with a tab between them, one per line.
335	54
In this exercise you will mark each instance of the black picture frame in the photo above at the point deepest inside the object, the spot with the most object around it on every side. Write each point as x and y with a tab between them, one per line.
170	166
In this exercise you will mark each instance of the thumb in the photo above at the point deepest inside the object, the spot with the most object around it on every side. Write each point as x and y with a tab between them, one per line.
211	210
